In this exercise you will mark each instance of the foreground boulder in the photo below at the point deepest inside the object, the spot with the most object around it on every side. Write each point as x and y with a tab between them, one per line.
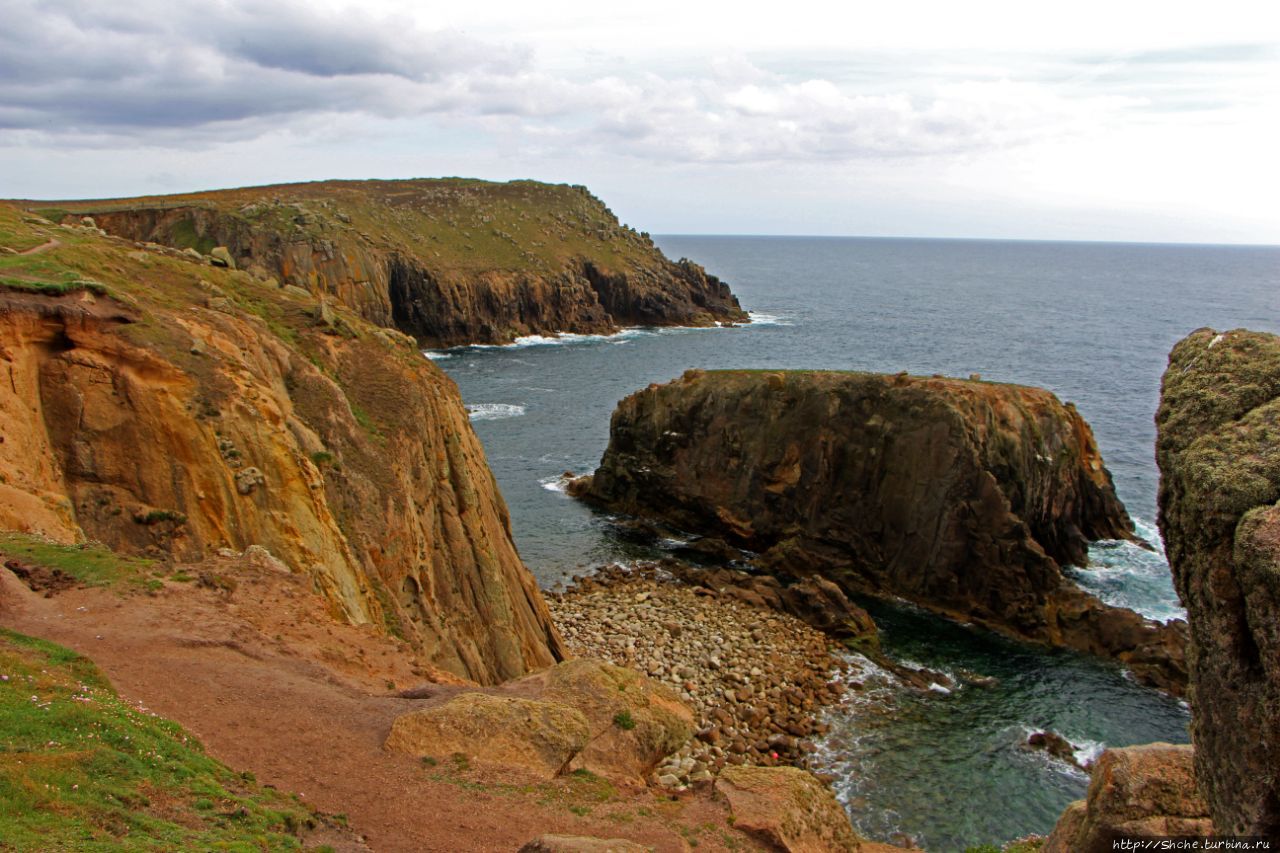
789	810
580	714
1218	448
495	731
634	721
966	497
1141	792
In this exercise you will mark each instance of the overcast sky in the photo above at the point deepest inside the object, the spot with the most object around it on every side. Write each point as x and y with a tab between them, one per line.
1116	120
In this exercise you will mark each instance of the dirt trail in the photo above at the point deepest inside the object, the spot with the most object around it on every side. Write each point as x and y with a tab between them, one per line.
270	684
52	243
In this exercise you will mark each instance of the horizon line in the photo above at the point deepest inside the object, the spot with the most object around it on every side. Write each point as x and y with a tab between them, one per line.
903	237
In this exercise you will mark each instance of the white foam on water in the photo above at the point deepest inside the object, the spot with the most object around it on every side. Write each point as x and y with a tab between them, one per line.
1088	750
436	355
1124	574
759	318
494	411
557	484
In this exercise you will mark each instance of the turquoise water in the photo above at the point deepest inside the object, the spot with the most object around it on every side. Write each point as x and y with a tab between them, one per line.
1091	322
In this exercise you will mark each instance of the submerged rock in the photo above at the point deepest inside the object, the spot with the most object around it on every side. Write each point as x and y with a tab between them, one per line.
966	497
1218	449
1140	792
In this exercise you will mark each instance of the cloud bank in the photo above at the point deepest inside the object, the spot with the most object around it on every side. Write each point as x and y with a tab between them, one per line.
81	73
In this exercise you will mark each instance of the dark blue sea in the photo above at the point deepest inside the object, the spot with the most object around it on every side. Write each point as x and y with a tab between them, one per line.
1093	322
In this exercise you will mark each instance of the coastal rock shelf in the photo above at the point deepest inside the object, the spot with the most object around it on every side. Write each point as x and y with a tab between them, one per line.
448	261
173	409
965	497
1218	449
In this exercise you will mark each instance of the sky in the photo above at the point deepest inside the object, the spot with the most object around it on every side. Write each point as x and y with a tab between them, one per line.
1119	120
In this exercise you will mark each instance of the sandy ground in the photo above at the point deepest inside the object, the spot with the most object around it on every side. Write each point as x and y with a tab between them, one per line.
270	683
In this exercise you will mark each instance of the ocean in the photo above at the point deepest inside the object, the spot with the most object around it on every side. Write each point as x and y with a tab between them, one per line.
1092	322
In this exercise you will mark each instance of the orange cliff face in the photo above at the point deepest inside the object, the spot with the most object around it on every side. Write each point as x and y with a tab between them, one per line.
167	407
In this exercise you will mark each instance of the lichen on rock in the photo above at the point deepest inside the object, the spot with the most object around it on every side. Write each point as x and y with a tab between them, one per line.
1218	448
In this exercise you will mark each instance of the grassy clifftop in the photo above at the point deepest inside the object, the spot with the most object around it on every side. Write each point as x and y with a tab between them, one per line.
462	224
449	260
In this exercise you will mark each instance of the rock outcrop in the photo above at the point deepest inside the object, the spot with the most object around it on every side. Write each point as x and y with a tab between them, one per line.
168	408
578	715
1218	449
963	496
1139	792
505	732
789	810
448	261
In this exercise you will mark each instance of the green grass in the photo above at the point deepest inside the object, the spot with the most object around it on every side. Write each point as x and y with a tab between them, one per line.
90	564
624	720
81	769
54	288
183	236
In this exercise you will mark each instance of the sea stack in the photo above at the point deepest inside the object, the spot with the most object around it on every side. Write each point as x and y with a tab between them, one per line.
1218	449
963	496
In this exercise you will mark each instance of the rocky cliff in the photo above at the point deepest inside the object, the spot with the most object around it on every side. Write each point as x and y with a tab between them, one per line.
170	408
448	261
1218	448
963	496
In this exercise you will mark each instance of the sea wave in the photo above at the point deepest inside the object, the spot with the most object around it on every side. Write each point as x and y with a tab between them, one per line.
494	411
760	318
436	355
1124	574
558	483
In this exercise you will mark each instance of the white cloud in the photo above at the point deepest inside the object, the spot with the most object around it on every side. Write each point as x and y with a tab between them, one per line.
1114	115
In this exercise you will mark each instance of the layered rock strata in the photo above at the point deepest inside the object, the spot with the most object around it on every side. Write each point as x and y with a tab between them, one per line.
1218	449
966	497
172	409
448	261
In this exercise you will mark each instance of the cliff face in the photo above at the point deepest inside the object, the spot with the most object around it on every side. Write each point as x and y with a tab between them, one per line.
448	261
165	407
1218	448
962	496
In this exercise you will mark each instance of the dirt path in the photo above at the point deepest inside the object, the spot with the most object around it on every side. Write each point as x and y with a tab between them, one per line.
52	243
271	685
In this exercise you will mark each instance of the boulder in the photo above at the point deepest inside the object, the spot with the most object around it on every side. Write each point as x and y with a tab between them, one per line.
822	604
787	809
1218	448
499	732
582	844
1143	792
220	256
634	721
